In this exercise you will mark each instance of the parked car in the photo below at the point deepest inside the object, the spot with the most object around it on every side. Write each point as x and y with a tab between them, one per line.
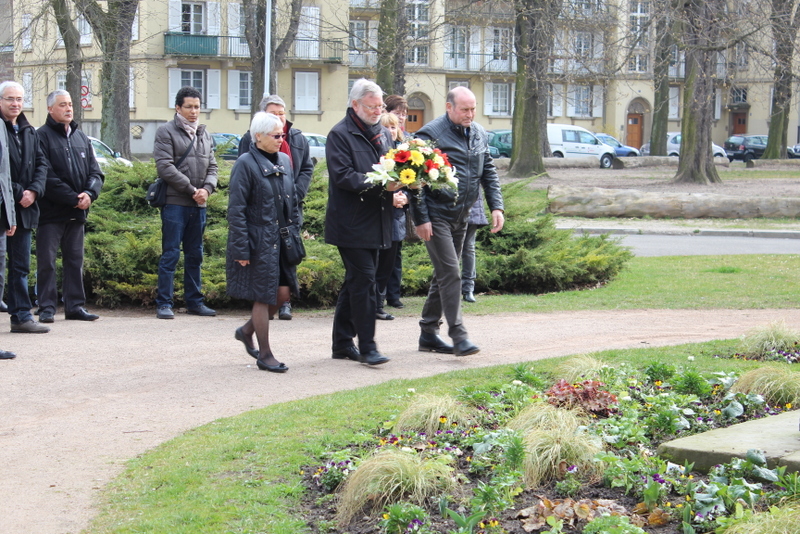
793	151
316	146
674	147
621	151
494	152
501	139
105	156
745	147
226	145
569	141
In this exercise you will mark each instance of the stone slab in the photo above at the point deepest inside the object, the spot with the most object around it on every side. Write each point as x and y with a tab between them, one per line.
777	435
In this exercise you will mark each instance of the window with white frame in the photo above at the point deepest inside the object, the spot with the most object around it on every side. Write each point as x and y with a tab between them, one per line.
583	100
85	98
501	43
555	101
27	41
638	63
194	78
358	35
306	90
207	81
584	8
193	18
457	41
674	112
85	31
584	45
738	95
741	55
418	20
499	98
639	20
245	89
452	84
27	87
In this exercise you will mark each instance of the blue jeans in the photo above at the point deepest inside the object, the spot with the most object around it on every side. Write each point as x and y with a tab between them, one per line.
19	266
181	225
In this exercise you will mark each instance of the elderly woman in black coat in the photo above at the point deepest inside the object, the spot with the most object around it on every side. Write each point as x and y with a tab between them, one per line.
261	184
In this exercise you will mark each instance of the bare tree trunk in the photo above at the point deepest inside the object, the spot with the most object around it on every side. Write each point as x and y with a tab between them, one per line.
784	22
399	85
661	64
72	48
702	22
535	31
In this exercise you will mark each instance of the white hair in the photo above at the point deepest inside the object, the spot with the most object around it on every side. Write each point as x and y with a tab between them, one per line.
362	88
263	123
8	84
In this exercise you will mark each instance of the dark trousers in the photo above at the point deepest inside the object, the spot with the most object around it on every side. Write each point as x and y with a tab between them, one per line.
395	280
386	264
19	266
355	307
444	296
68	236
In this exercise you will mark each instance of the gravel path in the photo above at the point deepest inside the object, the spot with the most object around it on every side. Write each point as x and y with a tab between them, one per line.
81	400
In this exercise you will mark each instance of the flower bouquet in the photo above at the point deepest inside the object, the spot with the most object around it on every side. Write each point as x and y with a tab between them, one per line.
415	163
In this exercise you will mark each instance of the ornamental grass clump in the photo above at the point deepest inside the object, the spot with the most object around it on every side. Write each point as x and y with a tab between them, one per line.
429	413
547	450
544	416
393	475
765	341
778	385
581	367
783	520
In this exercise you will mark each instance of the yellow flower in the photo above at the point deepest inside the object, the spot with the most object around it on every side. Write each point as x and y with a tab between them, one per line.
416	158
386	516
668	504
407	176
658	382
443	419
788	405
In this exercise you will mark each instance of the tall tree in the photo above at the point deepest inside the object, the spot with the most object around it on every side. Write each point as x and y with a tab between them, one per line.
391	47
72	48
113	29
702	34
664	41
255	16
533	41
784	22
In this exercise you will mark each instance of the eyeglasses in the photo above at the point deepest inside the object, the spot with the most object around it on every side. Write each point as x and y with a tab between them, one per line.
277	113
373	109
13	99
277	137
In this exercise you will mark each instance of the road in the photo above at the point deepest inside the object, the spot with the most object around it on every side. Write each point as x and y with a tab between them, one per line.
689	245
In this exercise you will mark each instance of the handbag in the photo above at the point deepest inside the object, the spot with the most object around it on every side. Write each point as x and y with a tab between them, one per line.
156	194
292	248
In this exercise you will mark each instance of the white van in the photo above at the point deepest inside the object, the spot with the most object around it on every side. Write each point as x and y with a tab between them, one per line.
568	141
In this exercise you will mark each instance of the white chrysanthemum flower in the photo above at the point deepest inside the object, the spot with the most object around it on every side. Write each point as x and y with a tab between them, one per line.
403	146
433	174
388	164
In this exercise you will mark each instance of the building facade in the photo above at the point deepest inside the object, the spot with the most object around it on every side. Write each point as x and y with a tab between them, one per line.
601	66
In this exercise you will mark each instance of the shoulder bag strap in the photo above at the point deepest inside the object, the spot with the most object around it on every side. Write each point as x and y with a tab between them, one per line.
191	146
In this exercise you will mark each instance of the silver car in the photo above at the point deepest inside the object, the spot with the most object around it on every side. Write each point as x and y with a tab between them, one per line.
674	147
316	146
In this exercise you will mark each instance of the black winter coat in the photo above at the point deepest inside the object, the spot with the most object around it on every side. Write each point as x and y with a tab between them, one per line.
302	168
474	168
253	227
28	169
72	169
359	215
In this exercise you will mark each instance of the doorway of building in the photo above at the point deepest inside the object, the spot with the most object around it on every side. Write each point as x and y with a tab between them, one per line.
635	121
414	121
739	120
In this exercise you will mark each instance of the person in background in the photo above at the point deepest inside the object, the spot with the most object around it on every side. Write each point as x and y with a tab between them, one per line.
397	105
262	185
294	145
28	180
358	219
74	180
441	217
389	281
476	219
189	184
8	218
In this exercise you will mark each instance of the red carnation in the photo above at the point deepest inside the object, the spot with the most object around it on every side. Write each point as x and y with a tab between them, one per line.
429	164
401	156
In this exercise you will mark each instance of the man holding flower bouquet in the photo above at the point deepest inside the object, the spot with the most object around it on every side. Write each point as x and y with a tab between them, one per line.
358	219
441	216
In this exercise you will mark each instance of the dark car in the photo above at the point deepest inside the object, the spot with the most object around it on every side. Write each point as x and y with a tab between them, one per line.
501	139
226	145
621	150
745	147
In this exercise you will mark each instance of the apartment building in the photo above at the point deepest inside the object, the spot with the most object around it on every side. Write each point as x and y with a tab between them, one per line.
595	84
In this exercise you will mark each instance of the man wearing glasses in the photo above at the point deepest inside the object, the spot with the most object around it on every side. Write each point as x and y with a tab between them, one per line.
358	219
185	161
28	178
295	145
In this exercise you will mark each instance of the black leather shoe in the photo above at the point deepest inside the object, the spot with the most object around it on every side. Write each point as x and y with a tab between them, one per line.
79	315
251	350
46	317
5	355
465	348
347	353
201	310
285	312
280	368
433	343
395	304
469	296
373	357
383	316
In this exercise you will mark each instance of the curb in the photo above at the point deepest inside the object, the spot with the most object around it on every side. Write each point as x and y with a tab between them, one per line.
774	234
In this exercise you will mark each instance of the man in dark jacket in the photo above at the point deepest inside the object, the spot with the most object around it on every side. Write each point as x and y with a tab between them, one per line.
185	161
441	217
8	224
295	145
28	178
358	219
74	181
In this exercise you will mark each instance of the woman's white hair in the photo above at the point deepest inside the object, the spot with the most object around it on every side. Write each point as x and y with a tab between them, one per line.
264	123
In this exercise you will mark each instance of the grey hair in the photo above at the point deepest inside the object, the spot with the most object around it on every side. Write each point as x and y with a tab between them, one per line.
51	98
6	85
271	99
263	123
362	88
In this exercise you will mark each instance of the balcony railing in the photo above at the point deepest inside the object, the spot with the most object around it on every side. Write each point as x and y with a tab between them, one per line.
325	50
480	62
359	58
184	44
486	11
